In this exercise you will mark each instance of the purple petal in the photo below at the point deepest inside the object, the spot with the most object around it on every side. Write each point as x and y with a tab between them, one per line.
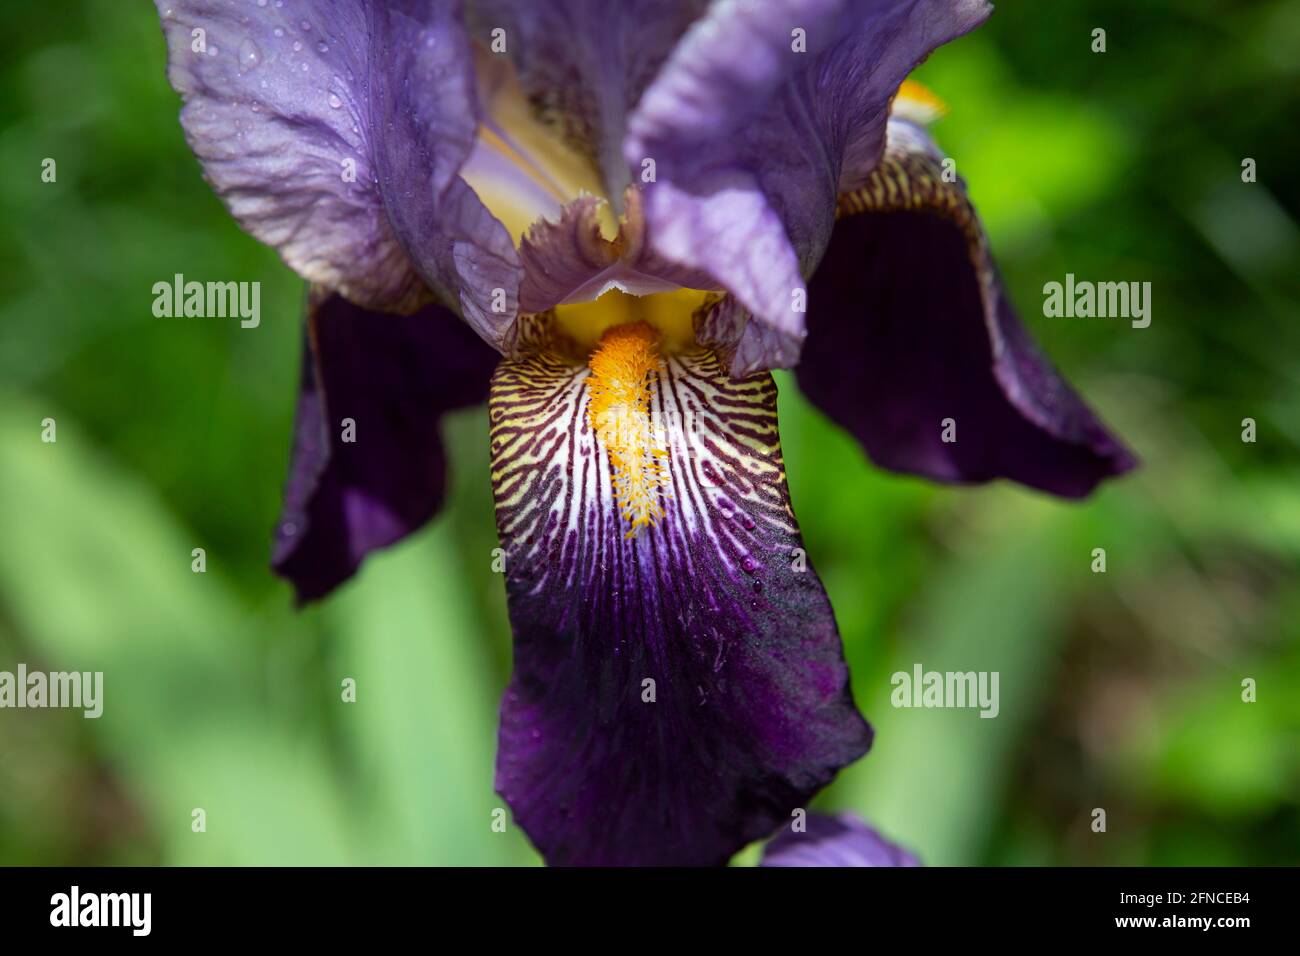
334	131
714	604
750	137
425	120
570	261
394	377
725	225
841	840
586	62
910	326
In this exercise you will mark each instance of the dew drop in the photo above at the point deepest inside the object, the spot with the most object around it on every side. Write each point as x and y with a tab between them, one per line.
323	47
748	564
306	27
279	31
261	3
213	51
297	45
250	56
335	102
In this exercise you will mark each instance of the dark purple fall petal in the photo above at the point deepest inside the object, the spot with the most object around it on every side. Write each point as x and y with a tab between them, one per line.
394	376
715	604
909	326
750	139
842	840
334	131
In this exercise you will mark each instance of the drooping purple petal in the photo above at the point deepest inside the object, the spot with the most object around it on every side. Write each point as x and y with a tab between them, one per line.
915	349
676	692
750	124
368	465
333	131
841	840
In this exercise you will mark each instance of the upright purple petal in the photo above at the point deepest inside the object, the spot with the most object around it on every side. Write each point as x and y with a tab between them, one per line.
368	465
842	840
677	691
732	62
333	130
425	120
585	63
749	126
915	349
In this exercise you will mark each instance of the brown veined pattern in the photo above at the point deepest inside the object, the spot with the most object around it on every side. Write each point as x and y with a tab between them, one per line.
555	497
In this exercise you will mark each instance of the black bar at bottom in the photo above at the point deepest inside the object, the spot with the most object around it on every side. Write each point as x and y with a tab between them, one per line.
334	906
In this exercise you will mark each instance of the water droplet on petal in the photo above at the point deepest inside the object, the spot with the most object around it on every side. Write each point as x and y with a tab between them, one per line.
261	3
306	27
323	47
335	102
213	51
748	564
297	45
279	31
250	55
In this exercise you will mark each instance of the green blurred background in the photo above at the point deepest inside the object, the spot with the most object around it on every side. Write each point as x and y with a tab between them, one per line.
1119	690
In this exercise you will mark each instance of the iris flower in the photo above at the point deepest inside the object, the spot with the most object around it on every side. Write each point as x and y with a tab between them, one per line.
612	220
